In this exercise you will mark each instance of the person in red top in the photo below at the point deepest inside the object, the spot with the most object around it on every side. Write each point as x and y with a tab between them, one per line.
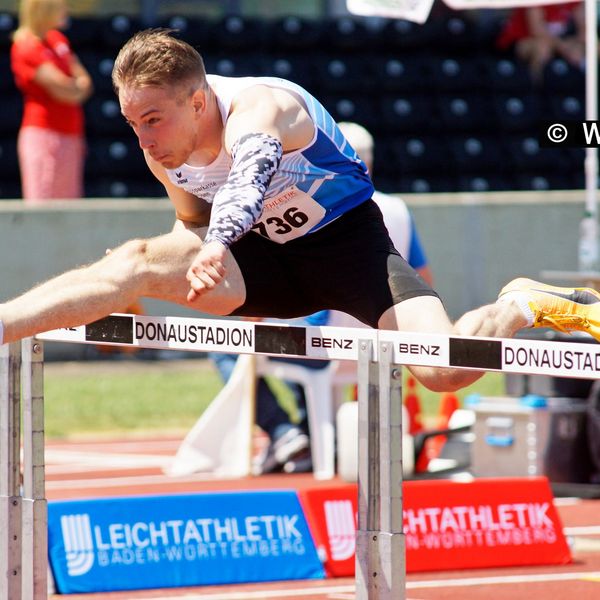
54	84
539	33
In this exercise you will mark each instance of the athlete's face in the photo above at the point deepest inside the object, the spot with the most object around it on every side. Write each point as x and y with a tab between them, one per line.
165	121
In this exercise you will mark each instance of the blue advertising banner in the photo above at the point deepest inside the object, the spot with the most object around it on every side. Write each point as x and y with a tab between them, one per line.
181	540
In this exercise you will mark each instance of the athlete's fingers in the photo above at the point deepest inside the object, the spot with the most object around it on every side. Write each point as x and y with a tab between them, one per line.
214	269
207	280
197	288
206	273
202	283
214	273
192	295
219	268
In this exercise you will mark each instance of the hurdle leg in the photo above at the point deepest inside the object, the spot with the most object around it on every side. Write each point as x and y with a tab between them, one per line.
35	510
380	542
10	472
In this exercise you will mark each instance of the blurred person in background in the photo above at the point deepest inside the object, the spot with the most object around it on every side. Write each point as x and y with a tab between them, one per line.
288	446
537	34
51	143
396	216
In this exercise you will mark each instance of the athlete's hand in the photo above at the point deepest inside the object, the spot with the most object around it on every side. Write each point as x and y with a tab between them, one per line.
206	270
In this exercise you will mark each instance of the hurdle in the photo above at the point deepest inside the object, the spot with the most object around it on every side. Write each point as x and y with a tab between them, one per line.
23	508
380	355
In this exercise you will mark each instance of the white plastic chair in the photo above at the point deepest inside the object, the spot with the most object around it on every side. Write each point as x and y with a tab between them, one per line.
347	438
323	389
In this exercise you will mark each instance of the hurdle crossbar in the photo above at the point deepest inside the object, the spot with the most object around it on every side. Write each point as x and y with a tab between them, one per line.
515	355
380	541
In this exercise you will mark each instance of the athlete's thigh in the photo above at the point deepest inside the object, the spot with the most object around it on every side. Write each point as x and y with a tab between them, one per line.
168	258
424	314
353	267
271	286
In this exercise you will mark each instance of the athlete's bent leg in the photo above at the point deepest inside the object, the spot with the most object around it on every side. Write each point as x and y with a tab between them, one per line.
426	314
154	268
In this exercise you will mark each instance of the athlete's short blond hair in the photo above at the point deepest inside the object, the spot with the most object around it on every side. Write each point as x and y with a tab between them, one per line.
154	57
360	139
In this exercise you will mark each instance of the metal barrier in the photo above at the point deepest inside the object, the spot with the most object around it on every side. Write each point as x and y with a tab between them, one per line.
380	547
23	508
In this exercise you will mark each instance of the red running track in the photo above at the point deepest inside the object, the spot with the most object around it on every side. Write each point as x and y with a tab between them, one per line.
95	469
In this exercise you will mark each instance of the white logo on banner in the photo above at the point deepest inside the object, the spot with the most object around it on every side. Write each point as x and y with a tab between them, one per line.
339	517
79	548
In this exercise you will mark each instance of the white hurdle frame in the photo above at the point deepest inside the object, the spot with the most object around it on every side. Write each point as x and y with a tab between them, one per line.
23	507
380	541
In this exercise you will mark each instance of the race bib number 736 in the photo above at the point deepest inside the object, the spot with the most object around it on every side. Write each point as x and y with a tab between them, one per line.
289	215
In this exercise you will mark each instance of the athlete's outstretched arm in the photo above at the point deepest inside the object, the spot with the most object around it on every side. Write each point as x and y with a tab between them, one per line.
153	268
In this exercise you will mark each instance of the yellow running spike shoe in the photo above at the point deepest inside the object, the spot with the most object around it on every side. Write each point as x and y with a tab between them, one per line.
562	308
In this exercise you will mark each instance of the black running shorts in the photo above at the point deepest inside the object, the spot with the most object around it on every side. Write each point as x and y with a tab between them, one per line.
349	265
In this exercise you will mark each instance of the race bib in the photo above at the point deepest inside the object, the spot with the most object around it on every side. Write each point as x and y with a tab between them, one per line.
288	216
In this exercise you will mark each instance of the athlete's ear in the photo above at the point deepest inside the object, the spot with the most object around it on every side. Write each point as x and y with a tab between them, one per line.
199	100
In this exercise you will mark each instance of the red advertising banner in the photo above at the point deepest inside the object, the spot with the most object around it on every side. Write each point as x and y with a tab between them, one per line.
449	525
332	519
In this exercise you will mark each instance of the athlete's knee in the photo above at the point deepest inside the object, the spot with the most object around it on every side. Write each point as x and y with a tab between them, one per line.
136	250
131	257
445	380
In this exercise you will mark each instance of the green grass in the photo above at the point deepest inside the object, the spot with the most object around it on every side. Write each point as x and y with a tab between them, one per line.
161	397
161	401
491	384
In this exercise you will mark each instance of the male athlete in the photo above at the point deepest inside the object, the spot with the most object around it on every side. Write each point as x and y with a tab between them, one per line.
274	218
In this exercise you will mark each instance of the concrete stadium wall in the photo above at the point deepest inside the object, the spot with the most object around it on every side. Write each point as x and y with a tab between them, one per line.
475	242
478	242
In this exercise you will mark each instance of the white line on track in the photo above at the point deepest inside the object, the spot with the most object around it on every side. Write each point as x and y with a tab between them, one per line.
566	501
340	591
82	484
260	595
503	579
585	530
116	445
105	460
